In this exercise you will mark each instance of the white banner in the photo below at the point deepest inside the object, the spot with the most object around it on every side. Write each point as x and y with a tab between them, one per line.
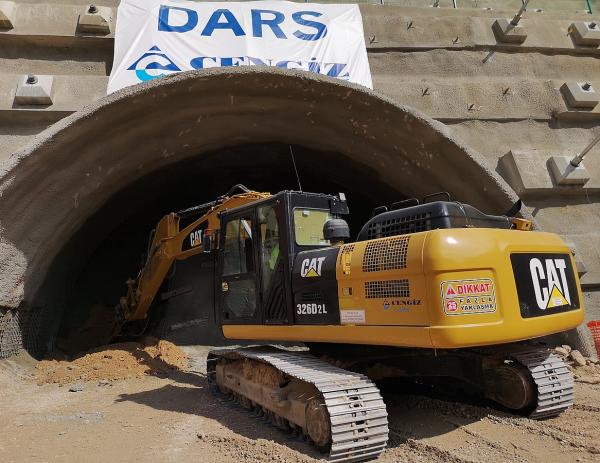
161	37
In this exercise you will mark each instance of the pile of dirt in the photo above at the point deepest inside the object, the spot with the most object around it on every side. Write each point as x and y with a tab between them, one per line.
114	362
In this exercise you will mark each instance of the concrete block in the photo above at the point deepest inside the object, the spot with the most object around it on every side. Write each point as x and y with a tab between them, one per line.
584	251
95	20
579	263
7	15
35	90
580	94
585	33
507	32
566	174
525	171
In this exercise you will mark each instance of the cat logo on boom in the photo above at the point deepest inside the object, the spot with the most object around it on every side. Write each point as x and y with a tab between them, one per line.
550	283
311	267
196	238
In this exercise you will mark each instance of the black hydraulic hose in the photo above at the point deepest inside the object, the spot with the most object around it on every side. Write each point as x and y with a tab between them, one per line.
203	207
233	189
197	209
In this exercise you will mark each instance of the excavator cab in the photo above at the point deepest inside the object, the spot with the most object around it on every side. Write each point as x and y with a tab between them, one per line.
258	243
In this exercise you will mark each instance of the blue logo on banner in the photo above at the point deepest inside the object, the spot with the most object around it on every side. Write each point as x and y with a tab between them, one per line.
153	59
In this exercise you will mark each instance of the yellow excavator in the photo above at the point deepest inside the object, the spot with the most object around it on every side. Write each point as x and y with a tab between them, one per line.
428	290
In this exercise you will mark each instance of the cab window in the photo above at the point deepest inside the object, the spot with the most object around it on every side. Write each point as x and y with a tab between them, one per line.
308	226
238	284
269	244
238	248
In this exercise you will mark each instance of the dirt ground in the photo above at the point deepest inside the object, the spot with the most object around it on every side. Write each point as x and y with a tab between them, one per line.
168	415
117	361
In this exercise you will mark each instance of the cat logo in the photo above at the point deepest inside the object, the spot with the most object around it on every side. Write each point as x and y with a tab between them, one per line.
311	267
196	238
550	283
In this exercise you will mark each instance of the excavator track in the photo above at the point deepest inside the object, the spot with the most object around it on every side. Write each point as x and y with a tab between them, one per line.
527	379
355	412
554	382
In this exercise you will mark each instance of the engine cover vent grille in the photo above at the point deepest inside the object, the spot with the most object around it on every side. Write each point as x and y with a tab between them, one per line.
348	248
387	254
399	225
386	289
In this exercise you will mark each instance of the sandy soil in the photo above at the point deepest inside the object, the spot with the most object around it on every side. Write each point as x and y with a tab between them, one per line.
124	360
175	419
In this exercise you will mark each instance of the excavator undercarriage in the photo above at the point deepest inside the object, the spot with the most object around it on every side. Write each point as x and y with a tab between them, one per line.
334	401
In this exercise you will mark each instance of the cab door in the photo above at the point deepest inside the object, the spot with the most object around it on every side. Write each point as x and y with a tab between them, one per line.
239	293
272	259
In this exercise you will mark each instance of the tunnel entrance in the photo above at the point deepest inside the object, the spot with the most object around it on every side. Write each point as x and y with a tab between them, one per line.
78	203
112	243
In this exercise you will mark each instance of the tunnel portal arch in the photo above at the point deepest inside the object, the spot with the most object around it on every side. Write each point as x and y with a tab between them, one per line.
51	189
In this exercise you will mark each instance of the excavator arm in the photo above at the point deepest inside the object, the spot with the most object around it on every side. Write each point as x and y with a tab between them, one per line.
169	243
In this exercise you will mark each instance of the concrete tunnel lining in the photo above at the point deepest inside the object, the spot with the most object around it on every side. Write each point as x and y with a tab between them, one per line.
50	189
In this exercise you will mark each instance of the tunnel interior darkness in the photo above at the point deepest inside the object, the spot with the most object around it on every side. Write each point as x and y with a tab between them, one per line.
108	249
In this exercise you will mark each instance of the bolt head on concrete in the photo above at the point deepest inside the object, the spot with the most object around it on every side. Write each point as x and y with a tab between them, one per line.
7	15
566	174
507	32
580	94
95	20
586	33
35	90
